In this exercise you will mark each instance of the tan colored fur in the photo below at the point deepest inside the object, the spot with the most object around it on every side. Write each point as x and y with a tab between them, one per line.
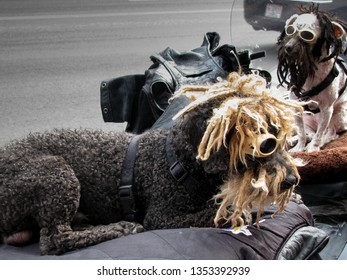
249	109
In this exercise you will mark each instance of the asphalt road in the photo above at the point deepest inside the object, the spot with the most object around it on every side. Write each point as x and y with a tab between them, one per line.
54	54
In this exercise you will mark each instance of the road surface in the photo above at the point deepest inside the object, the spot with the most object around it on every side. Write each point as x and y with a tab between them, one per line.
54	54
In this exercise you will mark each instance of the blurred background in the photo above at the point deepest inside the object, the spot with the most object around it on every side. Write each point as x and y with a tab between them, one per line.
54	54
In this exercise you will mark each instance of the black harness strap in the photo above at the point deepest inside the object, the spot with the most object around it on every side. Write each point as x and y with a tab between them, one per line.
304	96
125	191
177	170
182	175
320	87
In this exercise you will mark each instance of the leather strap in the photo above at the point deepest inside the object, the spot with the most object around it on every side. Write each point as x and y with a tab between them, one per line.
323	85
125	191
182	175
320	87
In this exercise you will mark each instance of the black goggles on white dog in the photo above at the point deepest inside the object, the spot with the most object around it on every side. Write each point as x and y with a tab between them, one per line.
306	35
265	145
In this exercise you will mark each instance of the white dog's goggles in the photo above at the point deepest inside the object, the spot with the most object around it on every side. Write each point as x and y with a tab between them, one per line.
304	34
264	145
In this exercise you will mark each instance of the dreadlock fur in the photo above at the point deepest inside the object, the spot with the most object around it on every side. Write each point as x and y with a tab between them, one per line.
311	66
248	110
294	71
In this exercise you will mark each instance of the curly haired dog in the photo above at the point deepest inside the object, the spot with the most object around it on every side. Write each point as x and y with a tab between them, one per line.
233	136
309	64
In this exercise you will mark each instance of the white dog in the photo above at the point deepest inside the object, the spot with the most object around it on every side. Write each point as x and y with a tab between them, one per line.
310	65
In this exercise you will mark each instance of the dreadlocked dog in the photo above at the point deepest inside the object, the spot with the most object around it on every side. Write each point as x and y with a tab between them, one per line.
310	65
230	140
254	127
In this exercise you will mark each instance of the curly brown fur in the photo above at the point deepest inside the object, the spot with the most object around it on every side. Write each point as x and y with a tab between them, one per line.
48	179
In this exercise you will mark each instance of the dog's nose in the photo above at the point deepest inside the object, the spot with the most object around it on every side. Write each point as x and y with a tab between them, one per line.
289	48
289	182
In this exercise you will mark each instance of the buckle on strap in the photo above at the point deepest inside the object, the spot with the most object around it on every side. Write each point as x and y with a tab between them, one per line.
178	171
127	202
125	191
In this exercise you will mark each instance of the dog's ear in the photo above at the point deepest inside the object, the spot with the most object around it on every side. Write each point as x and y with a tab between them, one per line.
289	21
292	19
338	29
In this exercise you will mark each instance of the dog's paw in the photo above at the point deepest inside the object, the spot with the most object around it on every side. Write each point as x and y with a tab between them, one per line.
299	147
136	228
312	147
130	227
296	149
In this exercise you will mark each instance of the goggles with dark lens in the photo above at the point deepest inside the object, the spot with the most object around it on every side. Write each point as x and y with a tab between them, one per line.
306	35
265	145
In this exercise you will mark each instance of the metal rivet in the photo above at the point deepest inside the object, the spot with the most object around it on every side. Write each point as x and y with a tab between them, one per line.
105	110
103	84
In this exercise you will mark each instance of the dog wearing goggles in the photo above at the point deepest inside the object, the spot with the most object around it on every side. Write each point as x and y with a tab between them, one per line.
309	64
251	127
66	184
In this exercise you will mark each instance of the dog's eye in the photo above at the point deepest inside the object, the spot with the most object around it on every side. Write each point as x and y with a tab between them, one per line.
290	30
307	35
268	146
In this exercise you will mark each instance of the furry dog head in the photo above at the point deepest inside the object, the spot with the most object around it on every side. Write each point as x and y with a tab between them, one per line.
309	36
253	127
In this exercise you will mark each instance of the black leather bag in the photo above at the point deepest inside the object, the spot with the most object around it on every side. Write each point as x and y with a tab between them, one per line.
140	100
